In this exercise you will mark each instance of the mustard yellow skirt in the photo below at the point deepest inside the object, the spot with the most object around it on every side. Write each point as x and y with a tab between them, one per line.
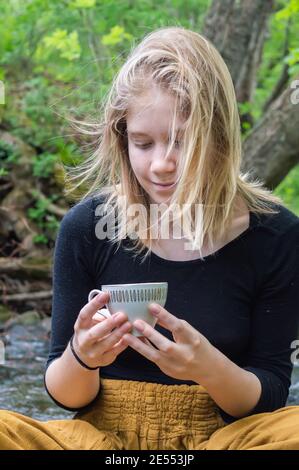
131	415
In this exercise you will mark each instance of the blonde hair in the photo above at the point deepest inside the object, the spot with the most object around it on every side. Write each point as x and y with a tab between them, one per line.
186	65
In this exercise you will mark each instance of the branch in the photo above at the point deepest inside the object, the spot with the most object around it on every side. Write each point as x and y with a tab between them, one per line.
56	210
28	296
24	267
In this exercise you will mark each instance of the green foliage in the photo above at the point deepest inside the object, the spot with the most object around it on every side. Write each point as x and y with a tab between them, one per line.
9	157
83	3
292	59
117	35
68	153
60	40
245	108
40	239
8	153
43	164
3	172
38	212
280	49
291	8
59	56
288	190
46	221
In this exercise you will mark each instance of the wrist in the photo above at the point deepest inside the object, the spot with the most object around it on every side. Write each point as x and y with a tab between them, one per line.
78	356
209	363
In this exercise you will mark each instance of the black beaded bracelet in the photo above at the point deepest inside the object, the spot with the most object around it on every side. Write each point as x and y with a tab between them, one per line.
78	358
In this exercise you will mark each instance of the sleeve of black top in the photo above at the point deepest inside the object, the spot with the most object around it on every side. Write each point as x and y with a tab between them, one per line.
274	326
72	274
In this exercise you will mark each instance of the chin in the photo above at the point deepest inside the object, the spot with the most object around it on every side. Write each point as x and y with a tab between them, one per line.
159	200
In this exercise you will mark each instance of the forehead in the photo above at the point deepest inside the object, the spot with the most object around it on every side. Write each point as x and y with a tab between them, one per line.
152	114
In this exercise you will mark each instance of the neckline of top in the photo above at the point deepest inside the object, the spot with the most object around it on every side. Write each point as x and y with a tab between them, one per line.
212	256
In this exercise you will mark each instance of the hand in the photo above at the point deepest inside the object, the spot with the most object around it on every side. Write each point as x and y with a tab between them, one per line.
99	343
180	358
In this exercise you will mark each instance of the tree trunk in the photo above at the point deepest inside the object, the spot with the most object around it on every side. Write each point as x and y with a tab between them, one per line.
272	148
238	31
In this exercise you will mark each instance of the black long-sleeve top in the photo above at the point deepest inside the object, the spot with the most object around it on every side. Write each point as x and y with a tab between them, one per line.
244	298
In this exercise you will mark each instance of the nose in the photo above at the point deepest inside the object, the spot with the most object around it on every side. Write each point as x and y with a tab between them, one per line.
163	166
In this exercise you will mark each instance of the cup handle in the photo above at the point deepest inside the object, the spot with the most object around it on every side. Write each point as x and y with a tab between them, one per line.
93	293
103	312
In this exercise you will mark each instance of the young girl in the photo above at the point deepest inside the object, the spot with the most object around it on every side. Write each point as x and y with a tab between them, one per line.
215	371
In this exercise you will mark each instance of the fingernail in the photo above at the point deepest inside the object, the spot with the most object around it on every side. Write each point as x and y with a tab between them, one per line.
100	297
155	309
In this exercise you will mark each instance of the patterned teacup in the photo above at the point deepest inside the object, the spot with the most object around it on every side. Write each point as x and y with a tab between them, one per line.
132	299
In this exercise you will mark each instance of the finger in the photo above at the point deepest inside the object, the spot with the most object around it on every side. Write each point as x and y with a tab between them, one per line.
160	341
96	320
116	350
147	351
104	328
99	315
144	340
111	340
91	308
179	328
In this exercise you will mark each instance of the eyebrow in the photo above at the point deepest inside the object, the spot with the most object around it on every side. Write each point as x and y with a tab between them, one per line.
143	134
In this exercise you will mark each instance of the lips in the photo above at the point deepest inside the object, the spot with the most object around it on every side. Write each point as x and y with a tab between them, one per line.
164	187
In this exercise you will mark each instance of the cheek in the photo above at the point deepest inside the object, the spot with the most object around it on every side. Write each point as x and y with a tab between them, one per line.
138	163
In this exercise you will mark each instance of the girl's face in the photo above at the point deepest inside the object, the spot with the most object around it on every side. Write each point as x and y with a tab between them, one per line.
148	126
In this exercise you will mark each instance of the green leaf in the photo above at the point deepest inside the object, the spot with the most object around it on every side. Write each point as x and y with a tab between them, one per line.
3	172
83	3
67	44
40	239
246	125
245	107
293	57
294	70
117	35
291	9
43	164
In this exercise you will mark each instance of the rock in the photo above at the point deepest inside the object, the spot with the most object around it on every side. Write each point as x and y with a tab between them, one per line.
5	313
46	324
31	317
17	199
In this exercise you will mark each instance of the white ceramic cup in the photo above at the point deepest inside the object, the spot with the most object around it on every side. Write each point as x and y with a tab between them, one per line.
133	300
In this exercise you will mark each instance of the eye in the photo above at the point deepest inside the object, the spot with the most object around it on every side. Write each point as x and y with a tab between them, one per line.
142	146
145	146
